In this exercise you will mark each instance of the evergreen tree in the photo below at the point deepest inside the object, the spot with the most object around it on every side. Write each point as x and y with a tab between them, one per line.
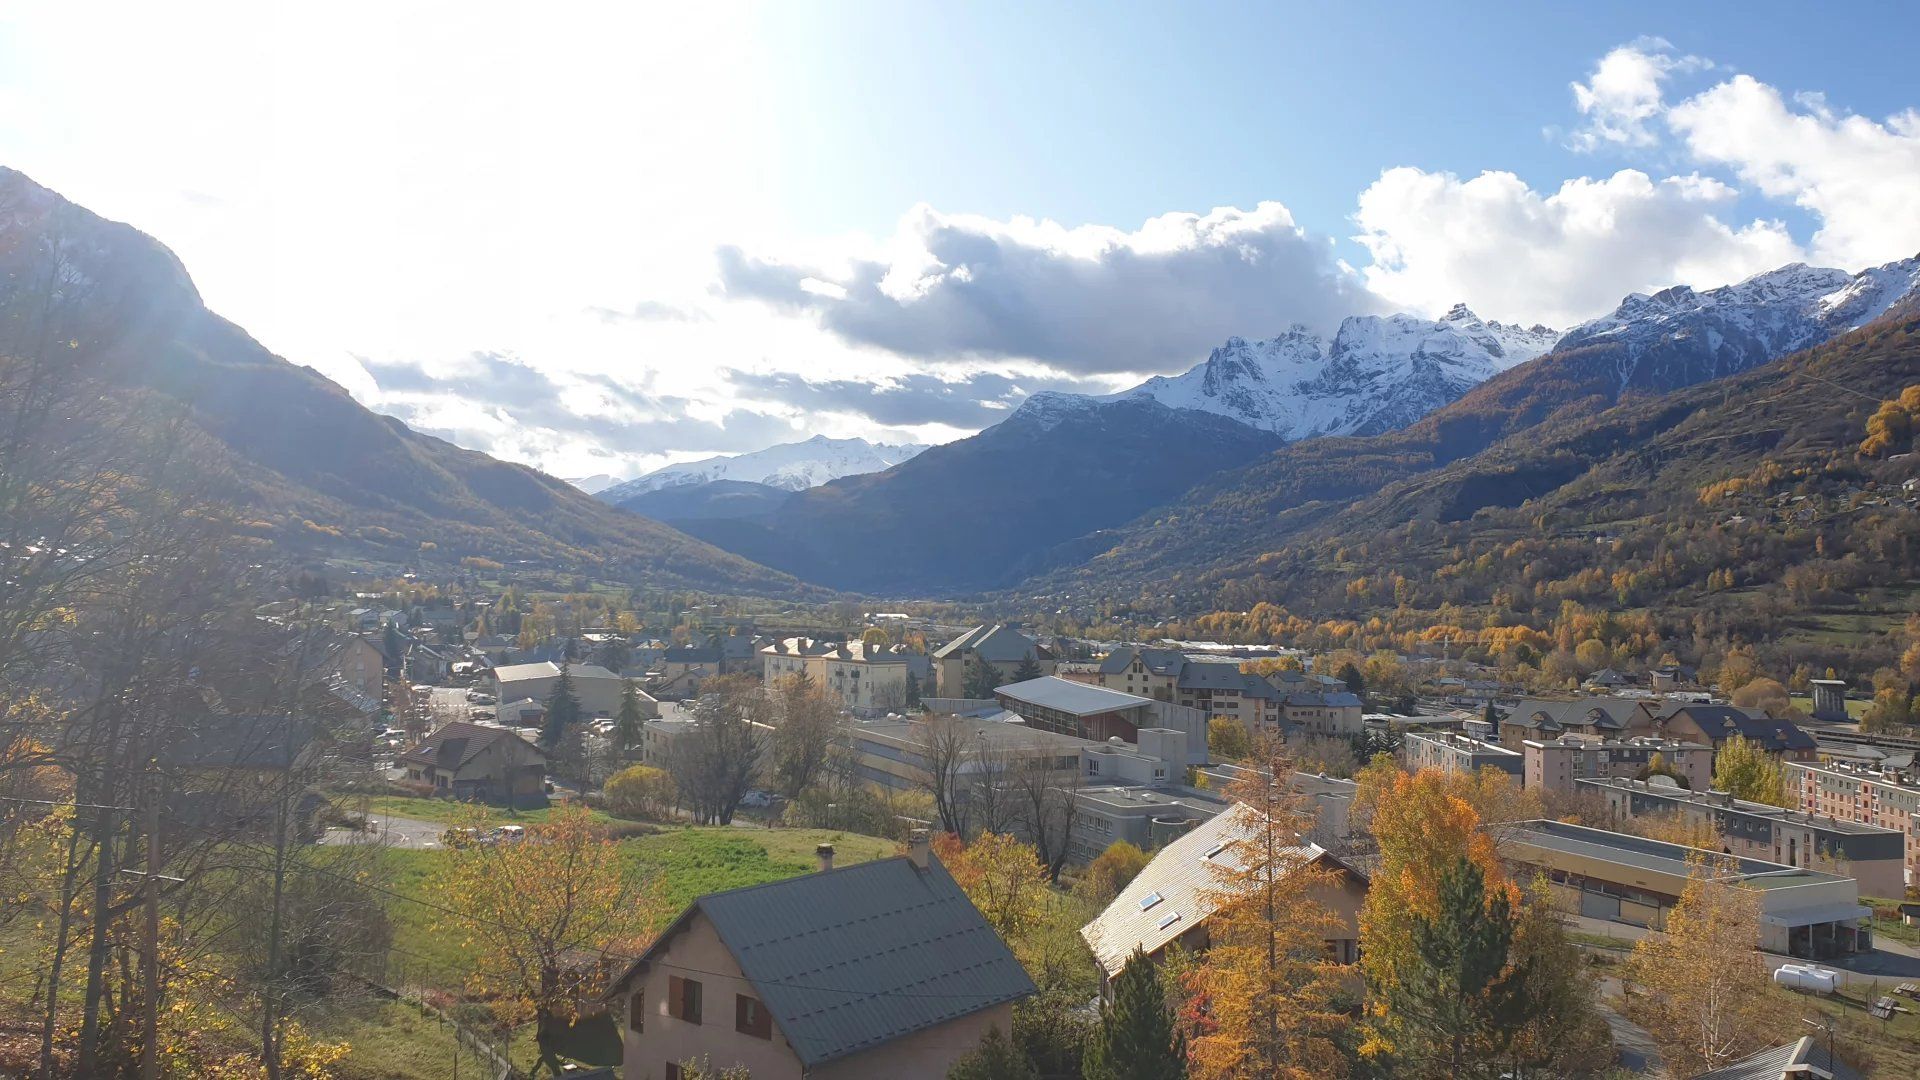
563	711
1137	1039
1029	669
982	678
1455	1008
913	691
1491	716
1350	675
996	1059
394	648
630	724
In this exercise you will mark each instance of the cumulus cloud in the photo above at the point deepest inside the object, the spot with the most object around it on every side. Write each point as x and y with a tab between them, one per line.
1514	253
1082	300
910	400
1624	94
1860	176
494	403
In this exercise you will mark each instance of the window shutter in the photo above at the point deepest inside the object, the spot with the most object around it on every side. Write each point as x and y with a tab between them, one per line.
675	995
637	1010
750	1017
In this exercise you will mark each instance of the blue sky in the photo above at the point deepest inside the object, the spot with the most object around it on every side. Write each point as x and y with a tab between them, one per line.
602	237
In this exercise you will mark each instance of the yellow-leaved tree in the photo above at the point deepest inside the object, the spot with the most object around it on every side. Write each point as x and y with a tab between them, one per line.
1708	999
530	910
1745	769
1273	1002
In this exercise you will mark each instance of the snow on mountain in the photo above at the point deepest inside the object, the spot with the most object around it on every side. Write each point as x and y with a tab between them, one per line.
1735	327
594	484
792	466
1376	374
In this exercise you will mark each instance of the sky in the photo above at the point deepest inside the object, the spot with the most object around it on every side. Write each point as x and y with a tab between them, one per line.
599	238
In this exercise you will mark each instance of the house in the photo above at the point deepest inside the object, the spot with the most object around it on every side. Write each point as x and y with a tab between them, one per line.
1606	679
223	771
868	679
879	970
1001	646
1153	673
1173	897
684	667
1868	854
428	663
1715	724
479	763
1802	1059
594	687
1336	713
1599	717
358	663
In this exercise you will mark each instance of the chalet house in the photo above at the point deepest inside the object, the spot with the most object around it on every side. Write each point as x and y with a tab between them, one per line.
1607	718
483	764
1153	673
1171	899
1002	647
1220	688
879	970
1715	724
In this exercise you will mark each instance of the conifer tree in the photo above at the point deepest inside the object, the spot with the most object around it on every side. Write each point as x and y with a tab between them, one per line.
996	1059
630	724
1454	1011
982	678
1137	1039
1029	669
563	711
913	691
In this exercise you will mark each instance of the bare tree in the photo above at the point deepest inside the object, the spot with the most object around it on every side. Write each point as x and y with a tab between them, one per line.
720	757
807	721
993	800
945	751
1046	789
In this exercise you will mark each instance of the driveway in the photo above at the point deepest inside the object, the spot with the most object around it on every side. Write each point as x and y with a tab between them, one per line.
397	832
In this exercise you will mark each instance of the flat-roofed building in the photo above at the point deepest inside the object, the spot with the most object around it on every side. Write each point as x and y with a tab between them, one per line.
1558	764
1868	854
1146	817
1098	714
1888	797
1631	879
1452	753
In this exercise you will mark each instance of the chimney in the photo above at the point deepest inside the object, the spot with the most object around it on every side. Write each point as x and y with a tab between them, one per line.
825	853
917	847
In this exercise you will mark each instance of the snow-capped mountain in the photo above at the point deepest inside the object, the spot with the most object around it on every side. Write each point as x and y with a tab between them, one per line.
790	466
1721	331
1376	374
594	484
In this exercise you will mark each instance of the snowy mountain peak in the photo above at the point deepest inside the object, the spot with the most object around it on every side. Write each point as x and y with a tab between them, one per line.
793	466
1378	372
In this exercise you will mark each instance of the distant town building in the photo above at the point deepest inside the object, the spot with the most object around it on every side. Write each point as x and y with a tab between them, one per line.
1452	753
1001	646
1887	797
864	679
594	687
1829	699
479	763
1559	764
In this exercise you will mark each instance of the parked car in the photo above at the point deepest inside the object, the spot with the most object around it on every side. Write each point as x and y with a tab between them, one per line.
479	698
757	799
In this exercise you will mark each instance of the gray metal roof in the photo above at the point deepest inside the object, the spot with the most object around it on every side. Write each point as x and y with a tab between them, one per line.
1773	1064
1067	696
1156	661
999	643
853	958
1639	852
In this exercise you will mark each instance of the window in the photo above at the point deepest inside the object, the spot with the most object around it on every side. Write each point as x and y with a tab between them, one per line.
683	999
1149	900
672	1071
1172	917
637	1011
750	1017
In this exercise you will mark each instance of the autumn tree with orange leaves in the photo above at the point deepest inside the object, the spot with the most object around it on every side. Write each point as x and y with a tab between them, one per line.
1275	1004
529	909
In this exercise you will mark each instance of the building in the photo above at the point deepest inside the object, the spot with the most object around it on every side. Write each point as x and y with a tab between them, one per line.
1630	879
1888	797
1171	899
865	679
1803	1059
479	763
1153	673
1217	687
1612	719
879	970
658	736
1453	753
1829	699
594	687
1336	714
1000	646
1868	854
1557	764
1146	817
1098	714
1715	724
359	664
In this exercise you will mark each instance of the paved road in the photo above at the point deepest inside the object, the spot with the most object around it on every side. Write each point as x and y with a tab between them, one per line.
1636	1049
397	831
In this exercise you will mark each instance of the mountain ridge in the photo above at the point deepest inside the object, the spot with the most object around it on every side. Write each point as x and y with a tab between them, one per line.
793	466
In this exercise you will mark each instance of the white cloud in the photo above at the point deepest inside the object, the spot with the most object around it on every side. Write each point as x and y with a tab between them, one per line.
1861	177
1513	253
1093	299
1624	93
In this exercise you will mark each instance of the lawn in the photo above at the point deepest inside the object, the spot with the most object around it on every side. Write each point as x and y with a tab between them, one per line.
448	810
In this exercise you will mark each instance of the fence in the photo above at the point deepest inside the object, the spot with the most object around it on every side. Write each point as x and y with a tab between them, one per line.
489	1057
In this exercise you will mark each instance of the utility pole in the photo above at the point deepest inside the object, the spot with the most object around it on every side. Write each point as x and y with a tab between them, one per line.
150	943
1824	1024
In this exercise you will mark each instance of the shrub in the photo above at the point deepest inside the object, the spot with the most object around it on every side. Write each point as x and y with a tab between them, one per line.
641	792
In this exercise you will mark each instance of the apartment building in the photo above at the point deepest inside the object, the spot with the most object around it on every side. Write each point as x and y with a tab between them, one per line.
865	679
1453	753
1557	764
1887	797
1873	856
